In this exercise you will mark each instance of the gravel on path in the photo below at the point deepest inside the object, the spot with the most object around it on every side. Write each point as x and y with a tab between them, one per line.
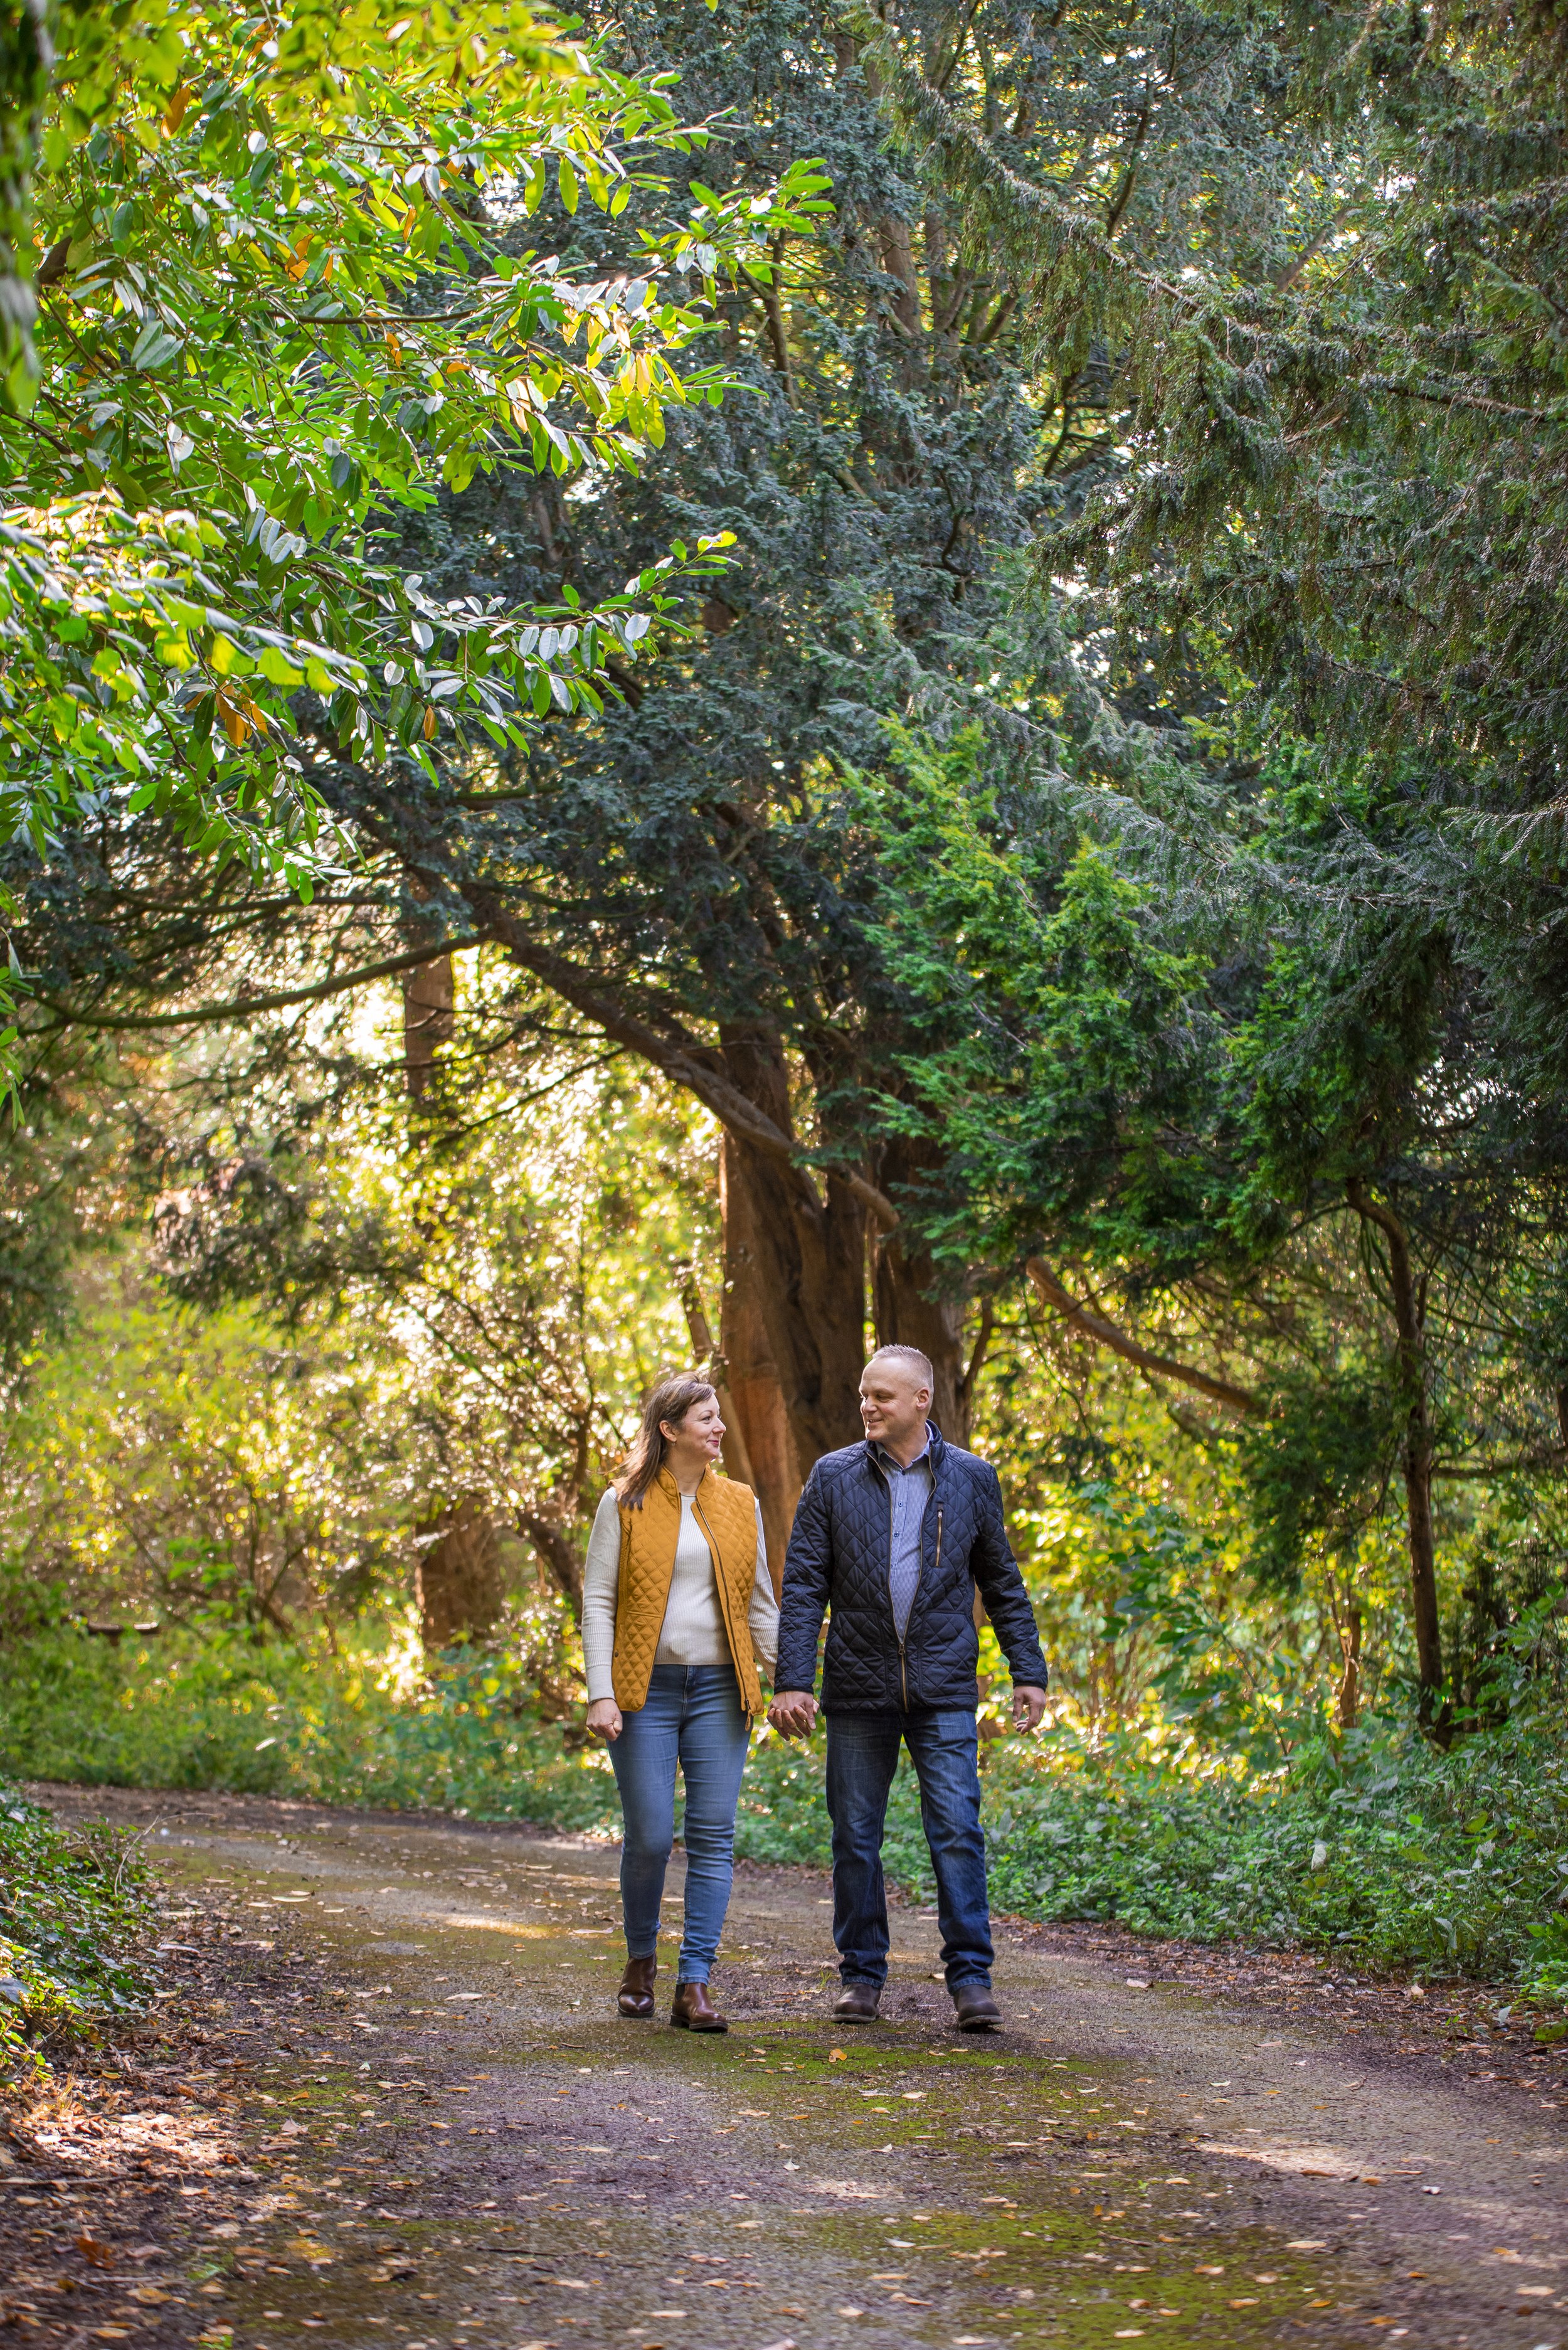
392	2104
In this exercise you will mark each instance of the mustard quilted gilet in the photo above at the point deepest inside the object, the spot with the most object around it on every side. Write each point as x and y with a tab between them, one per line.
727	1512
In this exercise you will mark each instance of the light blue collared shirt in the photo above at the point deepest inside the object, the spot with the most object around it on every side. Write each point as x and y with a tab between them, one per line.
911	1489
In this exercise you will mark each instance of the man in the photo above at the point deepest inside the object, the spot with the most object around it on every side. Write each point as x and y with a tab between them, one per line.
893	1535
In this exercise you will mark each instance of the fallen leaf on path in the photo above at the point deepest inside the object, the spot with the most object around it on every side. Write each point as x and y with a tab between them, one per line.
101	2255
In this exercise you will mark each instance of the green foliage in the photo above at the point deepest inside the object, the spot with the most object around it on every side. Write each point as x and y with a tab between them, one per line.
212	1474
1377	1849
290	294
26	53
75	1925
364	1724
1065	1047
479	1322
1317	1470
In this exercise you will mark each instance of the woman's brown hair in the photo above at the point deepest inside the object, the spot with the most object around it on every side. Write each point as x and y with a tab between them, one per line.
672	1399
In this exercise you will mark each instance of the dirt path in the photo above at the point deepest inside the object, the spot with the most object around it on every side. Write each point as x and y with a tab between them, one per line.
397	2108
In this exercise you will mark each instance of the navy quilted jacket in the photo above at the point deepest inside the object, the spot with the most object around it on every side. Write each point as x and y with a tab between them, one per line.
840	1549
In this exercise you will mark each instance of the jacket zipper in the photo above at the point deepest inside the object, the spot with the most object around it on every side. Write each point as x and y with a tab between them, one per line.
888	1486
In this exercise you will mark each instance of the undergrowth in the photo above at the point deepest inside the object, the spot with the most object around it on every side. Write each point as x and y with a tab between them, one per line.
1374	1845
76	1922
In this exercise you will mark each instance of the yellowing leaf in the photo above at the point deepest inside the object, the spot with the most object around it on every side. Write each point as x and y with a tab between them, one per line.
232	720
277	668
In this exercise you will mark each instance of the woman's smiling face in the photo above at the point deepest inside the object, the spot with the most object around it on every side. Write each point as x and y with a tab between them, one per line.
700	1436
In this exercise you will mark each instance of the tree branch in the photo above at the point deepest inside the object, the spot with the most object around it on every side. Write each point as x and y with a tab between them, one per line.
681	1060
1554	1457
243	1006
1106	1334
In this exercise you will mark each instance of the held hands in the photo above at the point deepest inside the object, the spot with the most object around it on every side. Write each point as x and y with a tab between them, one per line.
604	1720
794	1715
1028	1705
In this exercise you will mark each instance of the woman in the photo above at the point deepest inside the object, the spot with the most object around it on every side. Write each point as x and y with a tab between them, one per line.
676	1610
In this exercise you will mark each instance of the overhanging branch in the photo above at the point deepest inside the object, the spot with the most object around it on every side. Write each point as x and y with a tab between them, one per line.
242	1006
1117	1342
1555	1458
681	1060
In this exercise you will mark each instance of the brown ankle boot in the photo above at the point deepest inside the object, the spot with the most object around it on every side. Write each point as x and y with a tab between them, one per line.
635	1996
693	2009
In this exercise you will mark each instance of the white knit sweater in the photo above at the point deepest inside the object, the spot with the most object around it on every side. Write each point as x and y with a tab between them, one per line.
693	1629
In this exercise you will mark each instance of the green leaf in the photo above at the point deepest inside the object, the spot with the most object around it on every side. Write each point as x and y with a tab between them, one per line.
276	667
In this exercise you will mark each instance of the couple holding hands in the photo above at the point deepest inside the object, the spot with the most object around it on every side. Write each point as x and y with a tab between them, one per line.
892	1539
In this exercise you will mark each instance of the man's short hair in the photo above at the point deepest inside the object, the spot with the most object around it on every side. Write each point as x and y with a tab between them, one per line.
910	1359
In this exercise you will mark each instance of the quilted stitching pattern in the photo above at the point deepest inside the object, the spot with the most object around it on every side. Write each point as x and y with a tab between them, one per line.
728	1512
647	1539
838	1565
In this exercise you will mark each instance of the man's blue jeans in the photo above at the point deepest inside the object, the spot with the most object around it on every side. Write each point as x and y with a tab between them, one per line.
862	1756
693	1716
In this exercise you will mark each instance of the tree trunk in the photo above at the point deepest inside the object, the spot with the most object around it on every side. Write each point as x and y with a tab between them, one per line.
558	1554
713	1362
804	1242
912	1312
755	1394
908	1314
1347	1696
428	1021
1415	1453
460	1585
1417	1467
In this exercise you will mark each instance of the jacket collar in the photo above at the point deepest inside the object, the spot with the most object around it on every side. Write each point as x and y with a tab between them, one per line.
671	1490
935	1448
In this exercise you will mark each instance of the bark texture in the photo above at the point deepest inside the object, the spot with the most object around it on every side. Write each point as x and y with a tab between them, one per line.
1407	1299
711	1359
911	1311
804	1240
459	1584
751	1374
428	1021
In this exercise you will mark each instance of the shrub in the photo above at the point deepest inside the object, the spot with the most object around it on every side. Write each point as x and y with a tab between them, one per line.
75	1919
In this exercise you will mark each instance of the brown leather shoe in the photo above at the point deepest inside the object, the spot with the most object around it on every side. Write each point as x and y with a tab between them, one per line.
977	2010
693	2011
635	1996
857	2004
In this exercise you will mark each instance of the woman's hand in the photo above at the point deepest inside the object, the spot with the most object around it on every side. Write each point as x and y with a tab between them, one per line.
794	1715
604	1720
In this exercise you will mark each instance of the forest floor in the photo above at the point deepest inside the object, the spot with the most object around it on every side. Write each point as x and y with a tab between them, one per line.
389	2102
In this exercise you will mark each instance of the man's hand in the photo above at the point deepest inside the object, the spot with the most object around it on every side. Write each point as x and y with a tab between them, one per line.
604	1720
1028	1705
794	1715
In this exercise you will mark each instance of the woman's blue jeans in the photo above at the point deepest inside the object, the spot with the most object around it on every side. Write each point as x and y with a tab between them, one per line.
693	1716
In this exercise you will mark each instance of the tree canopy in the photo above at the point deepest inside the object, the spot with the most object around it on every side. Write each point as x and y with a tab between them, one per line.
286	290
975	594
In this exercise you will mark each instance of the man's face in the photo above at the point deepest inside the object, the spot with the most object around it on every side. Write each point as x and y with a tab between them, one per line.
893	1404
